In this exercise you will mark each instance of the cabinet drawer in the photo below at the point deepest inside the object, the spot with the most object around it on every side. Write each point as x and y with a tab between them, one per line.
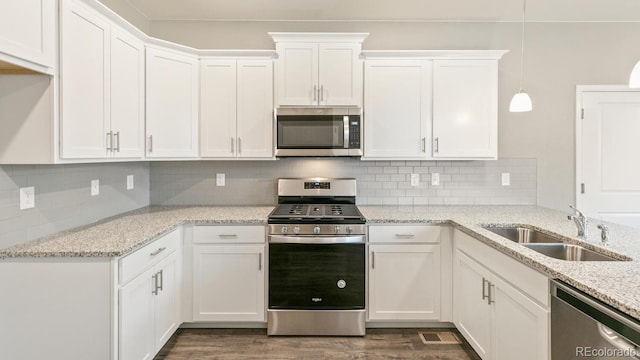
404	233
228	234
142	259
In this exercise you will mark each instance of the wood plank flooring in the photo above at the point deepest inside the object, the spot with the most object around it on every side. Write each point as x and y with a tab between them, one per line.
200	344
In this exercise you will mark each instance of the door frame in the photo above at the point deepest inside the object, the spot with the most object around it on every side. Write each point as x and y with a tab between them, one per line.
581	89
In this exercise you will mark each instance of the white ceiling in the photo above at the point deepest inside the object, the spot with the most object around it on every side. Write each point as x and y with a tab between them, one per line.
388	10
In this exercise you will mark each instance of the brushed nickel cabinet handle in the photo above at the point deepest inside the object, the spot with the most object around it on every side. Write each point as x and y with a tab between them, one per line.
373	259
155	284
155	253
437	144
260	261
161	273
491	293
404	236
228	235
150	143
110	141
424	144
484	288
117	136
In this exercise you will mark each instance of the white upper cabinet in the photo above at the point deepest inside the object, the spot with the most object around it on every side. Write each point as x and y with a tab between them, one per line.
431	104
318	69
102	87
397	108
465	109
236	111
28	34
172	104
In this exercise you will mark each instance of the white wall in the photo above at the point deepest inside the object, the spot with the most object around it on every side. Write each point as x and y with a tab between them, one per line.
558	56
129	13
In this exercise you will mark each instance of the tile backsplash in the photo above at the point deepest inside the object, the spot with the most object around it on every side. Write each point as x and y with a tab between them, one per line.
379	182
63	198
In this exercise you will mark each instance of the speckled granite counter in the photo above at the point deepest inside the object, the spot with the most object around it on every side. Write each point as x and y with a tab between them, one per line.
616	283
124	233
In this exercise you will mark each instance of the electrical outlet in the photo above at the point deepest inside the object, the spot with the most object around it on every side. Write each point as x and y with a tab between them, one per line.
435	179
129	182
415	179
506	179
27	197
95	187
219	179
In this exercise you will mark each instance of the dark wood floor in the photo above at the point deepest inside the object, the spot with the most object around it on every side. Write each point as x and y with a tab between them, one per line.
199	344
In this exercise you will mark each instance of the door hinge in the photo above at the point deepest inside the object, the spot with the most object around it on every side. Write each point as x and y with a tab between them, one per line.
582	113
582	188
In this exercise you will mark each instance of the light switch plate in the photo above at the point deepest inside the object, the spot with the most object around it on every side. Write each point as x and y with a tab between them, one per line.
129	182
506	179
220	179
95	187
415	179
27	197
435	179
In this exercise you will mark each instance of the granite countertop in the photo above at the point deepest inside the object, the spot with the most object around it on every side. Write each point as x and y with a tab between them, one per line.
616	283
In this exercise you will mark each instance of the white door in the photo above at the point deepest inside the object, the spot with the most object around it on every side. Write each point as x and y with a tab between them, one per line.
404	282
397	108
127	95
607	146
172	104
471	311
465	108
520	327
228	283
136	318
339	74
167	300
255	109
297	74
218	108
84	78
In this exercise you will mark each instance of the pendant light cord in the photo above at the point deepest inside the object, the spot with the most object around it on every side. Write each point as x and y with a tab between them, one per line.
524	10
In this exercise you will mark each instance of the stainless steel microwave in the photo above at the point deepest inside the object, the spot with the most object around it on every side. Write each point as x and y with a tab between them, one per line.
319	131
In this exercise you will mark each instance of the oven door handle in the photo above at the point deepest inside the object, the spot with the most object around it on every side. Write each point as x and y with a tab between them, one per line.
355	239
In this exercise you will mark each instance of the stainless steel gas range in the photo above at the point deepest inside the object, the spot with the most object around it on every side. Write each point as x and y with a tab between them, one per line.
317	255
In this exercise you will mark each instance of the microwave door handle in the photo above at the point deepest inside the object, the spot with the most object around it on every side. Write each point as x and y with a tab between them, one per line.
345	120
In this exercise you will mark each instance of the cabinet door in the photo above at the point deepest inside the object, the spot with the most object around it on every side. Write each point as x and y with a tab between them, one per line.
218	108
167	300
172	104
465	102
520	327
404	282
127	94
471	311
297	74
255	108
28	29
136	318
397	108
84	78
339	74
228	283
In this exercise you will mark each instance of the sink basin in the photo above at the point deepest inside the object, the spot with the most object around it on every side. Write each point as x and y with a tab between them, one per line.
569	252
523	235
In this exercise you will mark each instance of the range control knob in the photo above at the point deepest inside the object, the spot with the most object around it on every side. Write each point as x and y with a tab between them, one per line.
284	230
349	229
316	230
296	230
337	229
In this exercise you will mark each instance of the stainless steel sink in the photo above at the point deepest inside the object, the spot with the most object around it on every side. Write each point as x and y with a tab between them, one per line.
569	252
548	244
523	235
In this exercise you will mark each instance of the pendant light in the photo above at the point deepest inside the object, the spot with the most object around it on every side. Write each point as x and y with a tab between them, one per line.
521	101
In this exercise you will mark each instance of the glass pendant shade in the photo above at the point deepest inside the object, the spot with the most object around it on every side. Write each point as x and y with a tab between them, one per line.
634	79
520	102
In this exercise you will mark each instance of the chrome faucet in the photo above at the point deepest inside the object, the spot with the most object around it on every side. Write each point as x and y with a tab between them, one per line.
604	235
581	222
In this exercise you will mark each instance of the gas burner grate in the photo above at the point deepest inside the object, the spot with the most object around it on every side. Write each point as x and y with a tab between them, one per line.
336	210
296	209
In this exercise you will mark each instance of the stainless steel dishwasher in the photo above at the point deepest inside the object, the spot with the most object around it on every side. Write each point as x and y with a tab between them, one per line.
585	328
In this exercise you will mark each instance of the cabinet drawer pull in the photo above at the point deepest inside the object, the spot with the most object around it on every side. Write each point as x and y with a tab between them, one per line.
117	136
436	142
158	251
491	293
155	284
373	259
110	141
484	288
228	235
260	261
150	143
161	274
405	236
424	144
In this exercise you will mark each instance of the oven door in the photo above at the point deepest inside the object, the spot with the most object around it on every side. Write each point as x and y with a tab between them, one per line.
316	273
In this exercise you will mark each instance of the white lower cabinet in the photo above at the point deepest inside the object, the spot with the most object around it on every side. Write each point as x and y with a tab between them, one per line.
149	304
229	273
404	273
499	320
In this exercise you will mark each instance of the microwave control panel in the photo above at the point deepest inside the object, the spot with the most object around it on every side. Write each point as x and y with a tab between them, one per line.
354	132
